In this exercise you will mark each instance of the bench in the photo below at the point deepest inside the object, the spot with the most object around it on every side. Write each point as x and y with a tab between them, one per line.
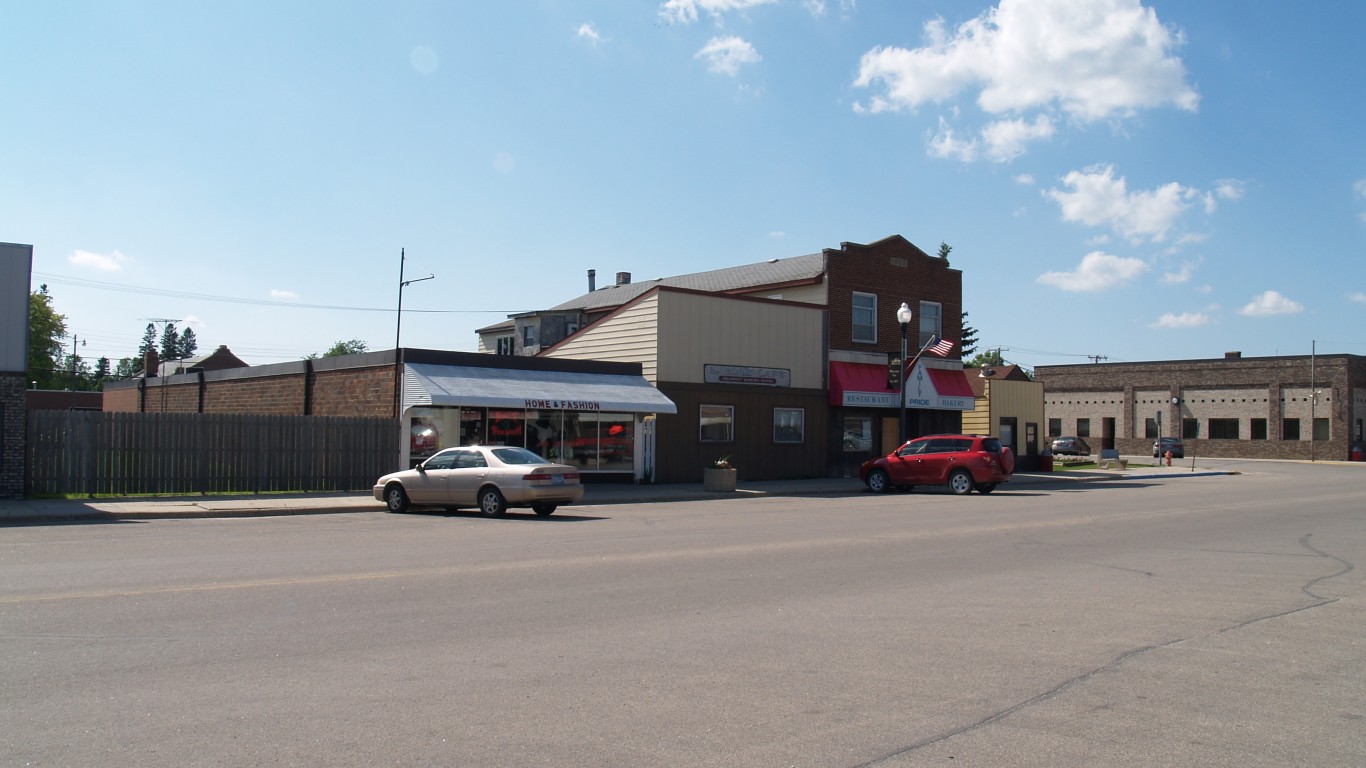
1109	459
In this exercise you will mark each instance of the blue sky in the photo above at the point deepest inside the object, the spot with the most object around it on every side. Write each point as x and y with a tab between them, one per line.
1135	181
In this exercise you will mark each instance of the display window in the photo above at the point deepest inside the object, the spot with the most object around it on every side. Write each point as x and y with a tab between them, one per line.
591	441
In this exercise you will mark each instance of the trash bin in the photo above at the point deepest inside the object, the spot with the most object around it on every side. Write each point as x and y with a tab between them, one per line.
1046	461
1359	452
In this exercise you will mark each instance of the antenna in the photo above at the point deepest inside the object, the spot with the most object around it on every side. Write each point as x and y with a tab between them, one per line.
1097	358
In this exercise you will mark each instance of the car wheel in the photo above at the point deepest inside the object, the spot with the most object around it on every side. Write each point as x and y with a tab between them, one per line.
492	503
395	499
878	482
960	482
986	487
544	510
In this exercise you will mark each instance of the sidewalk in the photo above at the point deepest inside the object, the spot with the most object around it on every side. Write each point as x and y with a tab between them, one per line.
149	508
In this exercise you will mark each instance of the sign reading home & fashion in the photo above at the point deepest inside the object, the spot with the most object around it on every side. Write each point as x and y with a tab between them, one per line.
563	405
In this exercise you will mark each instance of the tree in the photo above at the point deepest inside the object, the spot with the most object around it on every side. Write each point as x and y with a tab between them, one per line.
968	343
188	344
987	359
170	343
944	249
149	342
46	329
102	369
352	347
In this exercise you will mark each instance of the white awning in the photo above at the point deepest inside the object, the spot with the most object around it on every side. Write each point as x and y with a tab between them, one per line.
426	384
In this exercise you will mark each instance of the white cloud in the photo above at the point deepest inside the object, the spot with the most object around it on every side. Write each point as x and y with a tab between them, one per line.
1183	320
587	32
1182	275
1025	179
1088	60
1271	303
276	293
112	262
777	233
1092	59
1006	139
1360	188
1232	190
504	163
1096	272
725	55
1098	198
687	11
1358	297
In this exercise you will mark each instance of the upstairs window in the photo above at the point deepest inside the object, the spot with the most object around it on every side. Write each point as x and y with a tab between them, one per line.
507	345
865	318
528	336
931	321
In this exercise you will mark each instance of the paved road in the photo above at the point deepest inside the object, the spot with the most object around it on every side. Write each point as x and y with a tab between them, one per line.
1204	621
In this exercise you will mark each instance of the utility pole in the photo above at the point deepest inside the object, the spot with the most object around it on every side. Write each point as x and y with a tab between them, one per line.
73	370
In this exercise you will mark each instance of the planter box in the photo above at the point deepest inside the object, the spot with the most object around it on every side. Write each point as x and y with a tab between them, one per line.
722	480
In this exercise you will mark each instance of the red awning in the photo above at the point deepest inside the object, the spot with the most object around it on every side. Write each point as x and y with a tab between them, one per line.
950	383
859	377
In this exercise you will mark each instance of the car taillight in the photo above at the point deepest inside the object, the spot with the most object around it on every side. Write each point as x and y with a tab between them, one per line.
537	476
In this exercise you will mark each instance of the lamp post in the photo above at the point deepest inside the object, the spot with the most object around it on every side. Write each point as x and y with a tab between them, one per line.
903	317
398	331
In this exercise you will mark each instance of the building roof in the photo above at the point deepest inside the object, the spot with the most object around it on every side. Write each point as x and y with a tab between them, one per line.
746	277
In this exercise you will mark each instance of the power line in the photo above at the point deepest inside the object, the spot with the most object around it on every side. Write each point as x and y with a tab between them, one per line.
125	288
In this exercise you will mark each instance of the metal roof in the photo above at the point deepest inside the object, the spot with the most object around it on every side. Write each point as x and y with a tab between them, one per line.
746	276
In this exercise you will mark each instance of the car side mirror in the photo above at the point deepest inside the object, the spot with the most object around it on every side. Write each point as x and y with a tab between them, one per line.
421	468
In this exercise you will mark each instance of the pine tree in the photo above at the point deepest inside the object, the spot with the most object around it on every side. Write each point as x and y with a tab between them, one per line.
170	343
188	344
102	369
969	342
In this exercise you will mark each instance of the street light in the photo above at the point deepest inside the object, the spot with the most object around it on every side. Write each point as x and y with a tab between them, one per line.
398	330
903	317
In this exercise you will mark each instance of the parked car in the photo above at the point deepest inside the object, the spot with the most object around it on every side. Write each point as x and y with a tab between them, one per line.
962	462
491	478
1172	444
1071	446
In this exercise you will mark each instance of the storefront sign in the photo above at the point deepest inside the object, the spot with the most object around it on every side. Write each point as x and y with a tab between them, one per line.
870	399
564	405
742	374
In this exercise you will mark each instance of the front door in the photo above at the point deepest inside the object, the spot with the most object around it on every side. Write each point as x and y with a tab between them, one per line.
471	468
429	487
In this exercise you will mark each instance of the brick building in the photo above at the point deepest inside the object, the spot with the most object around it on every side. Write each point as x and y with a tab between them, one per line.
1297	407
16	265
781	365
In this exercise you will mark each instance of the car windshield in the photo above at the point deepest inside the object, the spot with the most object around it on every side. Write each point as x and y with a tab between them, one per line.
517	456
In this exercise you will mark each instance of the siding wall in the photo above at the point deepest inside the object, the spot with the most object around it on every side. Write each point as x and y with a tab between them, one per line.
629	336
696	330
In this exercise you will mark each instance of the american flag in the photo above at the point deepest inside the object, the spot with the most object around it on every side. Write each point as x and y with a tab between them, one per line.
942	348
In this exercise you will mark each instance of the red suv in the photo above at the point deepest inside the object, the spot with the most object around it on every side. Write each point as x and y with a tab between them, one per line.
963	462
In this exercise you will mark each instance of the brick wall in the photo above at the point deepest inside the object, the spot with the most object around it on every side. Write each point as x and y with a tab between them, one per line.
354	392
283	395
895	270
13	415
1244	389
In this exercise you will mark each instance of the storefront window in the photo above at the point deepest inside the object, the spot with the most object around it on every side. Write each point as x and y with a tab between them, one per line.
716	424
600	441
789	425
858	434
471	426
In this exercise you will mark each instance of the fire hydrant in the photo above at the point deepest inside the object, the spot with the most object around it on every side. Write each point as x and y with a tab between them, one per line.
1169	457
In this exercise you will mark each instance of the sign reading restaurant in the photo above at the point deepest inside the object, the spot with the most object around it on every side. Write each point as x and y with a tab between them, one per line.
744	374
563	405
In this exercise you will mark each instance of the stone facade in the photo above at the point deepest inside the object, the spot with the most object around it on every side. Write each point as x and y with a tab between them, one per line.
1232	407
13	417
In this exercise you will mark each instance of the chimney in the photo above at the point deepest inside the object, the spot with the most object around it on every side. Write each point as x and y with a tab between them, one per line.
1233	355
623	278
592	280
150	363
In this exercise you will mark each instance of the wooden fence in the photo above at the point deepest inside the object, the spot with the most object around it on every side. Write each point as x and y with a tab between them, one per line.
126	454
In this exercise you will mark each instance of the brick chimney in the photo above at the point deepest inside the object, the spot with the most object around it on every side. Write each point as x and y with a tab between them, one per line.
623	278
1233	355
150	363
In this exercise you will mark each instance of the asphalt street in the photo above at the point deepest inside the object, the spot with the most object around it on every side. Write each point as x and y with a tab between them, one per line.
1212	620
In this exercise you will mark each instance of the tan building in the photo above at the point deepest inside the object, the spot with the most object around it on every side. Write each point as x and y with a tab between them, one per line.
1009	405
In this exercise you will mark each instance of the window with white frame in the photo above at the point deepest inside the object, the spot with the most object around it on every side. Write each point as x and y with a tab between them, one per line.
789	425
931	321
865	317
716	424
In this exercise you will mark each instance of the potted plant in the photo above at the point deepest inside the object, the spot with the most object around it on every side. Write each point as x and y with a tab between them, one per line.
719	476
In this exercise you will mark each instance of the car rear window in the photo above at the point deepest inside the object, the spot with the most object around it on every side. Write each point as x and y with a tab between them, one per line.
991	445
517	456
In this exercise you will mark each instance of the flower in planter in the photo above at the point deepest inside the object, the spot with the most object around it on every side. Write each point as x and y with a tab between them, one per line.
721	463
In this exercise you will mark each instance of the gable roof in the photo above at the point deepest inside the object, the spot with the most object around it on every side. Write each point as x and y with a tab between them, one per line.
746	277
